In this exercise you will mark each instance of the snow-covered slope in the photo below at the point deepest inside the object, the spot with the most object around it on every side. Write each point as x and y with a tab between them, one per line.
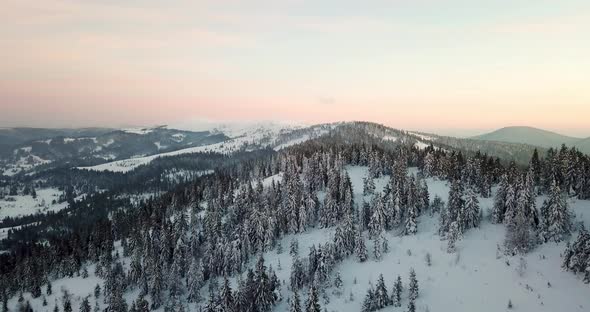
126	165
475	278
241	137
21	205
119	144
235	129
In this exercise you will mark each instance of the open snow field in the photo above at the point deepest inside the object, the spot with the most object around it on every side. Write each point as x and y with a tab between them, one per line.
475	278
26	205
23	164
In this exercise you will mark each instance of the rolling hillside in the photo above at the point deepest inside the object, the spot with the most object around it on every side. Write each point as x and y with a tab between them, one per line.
536	137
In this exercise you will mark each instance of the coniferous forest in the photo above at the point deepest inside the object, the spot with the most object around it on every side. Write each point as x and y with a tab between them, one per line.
206	242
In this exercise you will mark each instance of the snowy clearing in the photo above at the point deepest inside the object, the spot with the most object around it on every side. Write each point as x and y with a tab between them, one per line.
22	205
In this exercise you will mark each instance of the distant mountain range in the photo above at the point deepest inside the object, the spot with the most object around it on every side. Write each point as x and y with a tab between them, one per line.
535	136
26	150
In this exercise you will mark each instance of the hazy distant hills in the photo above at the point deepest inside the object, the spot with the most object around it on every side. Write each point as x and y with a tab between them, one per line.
10	137
25	150
583	145
535	136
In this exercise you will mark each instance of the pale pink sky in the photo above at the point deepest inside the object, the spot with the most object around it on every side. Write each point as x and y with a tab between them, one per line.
453	65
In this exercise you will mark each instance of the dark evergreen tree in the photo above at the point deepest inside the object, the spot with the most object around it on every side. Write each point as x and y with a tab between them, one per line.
519	235
264	296
295	305
499	207
294	248
360	248
195	281
96	291
413	286
369	304
411	306
338	284
576	257
556	218
67	302
396	295
381	296
471	210
227	298
313	301
85	305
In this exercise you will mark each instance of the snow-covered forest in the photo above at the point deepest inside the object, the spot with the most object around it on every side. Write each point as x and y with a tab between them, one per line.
340	222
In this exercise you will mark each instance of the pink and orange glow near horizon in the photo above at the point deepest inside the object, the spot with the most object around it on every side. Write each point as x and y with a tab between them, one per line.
423	65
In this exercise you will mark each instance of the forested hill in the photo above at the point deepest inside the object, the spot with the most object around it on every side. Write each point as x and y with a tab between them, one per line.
330	222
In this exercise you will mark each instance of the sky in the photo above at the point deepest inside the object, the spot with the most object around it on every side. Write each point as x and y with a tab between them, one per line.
452	67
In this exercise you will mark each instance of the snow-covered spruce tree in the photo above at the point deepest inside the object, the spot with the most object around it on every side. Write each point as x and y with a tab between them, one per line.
377	252
294	248
227	297
195	281
212	303
346	197
244	296
141	305
85	305
384	245
136	270
114	289
275	284
338	284
411	306
381	296
453	236
370	302
360	249
413	286
526	199
398	201
264	296
96	290
368	186
411	224
340	243
510	204
454	208
436	205
313	301
499	207
471	210
295	303
556	224
576	257
348	235
365	214
175	289
298	278
519	237
309	215
423	195
429	168
396	294
157	286
378	218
